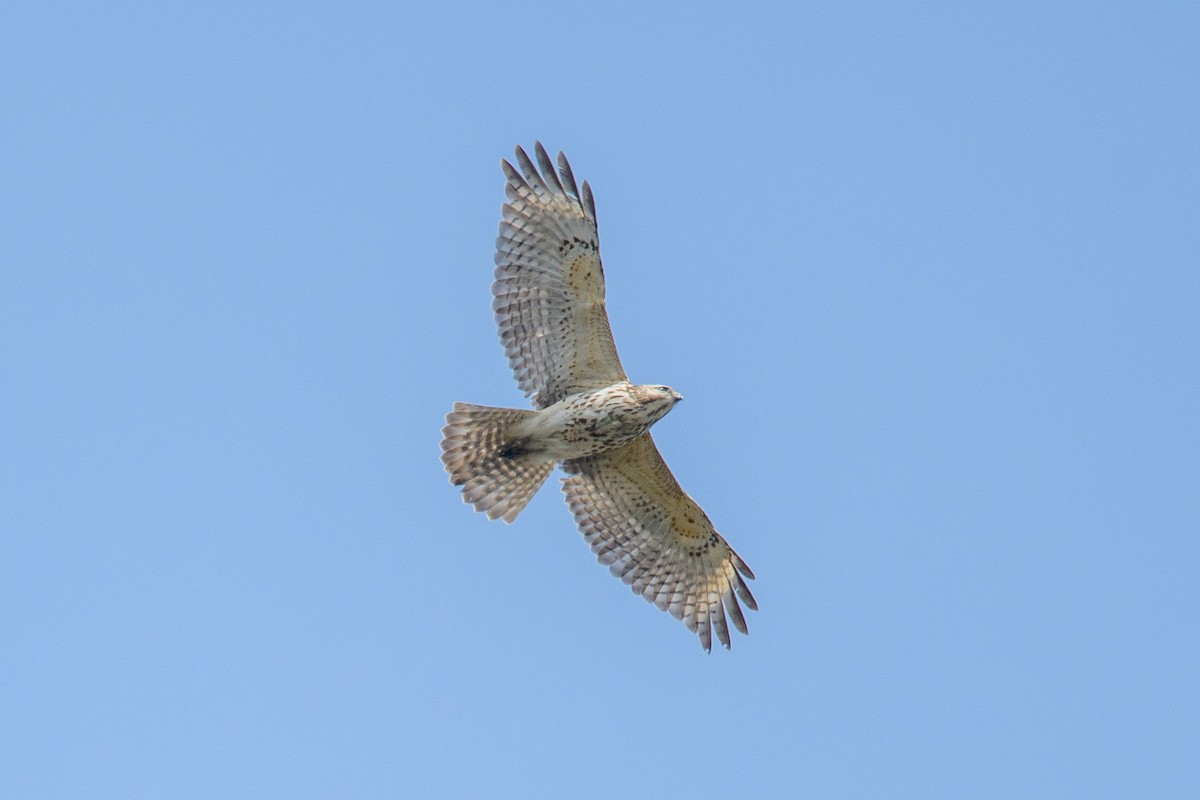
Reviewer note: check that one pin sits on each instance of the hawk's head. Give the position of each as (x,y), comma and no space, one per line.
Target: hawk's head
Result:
(658,400)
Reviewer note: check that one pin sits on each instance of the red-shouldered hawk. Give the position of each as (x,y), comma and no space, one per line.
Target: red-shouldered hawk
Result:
(549,305)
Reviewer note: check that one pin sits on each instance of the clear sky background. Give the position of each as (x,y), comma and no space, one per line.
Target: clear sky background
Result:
(928,276)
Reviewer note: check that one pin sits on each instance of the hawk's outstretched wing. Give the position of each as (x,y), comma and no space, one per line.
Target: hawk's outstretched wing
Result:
(653,536)
(549,289)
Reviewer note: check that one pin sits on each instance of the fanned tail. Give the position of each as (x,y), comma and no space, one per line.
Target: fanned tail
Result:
(484,457)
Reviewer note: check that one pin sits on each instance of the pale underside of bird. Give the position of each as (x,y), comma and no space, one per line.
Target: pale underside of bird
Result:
(548,299)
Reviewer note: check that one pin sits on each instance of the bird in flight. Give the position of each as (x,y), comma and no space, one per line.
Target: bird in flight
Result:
(548,299)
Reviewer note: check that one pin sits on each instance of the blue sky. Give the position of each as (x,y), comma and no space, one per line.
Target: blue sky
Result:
(929,277)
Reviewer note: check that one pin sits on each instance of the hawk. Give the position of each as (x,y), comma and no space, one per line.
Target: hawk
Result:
(548,299)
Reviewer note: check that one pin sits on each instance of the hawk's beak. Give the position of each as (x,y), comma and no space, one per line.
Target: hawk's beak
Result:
(678,396)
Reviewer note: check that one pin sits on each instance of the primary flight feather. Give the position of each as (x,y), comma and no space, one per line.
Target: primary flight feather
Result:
(549,304)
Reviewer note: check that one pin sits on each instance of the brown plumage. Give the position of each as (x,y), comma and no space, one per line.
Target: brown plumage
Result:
(550,310)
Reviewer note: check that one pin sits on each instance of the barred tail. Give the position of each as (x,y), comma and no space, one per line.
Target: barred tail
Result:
(482,456)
